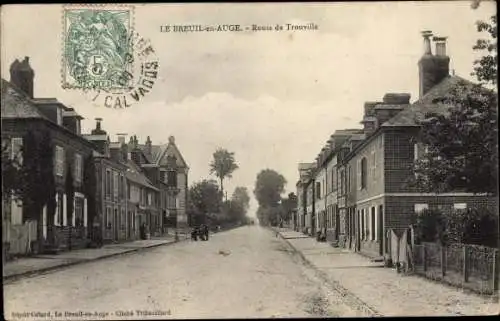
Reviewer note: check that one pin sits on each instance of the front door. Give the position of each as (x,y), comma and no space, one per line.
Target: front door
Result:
(381,229)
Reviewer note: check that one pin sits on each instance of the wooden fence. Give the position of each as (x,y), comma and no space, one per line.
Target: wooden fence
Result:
(469,266)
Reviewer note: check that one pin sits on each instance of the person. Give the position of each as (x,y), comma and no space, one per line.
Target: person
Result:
(205,230)
(194,234)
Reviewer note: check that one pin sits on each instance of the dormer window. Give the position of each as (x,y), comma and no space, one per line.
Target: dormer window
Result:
(59,116)
(77,127)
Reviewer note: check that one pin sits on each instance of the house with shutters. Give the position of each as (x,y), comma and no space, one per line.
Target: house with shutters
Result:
(23,113)
(112,218)
(379,197)
(371,167)
(173,171)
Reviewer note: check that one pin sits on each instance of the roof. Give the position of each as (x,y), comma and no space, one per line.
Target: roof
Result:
(415,113)
(134,174)
(16,104)
(158,152)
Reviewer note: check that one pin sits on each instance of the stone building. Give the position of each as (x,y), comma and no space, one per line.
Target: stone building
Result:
(23,113)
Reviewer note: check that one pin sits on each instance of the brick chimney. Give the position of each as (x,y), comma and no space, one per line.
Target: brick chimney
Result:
(432,68)
(392,104)
(102,144)
(369,120)
(22,76)
(148,146)
(123,146)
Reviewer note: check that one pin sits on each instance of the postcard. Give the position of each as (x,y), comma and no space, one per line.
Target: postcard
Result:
(249,160)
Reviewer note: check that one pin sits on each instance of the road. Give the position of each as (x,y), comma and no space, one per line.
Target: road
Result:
(242,273)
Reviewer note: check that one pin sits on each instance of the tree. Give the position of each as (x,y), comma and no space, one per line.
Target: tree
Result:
(204,198)
(289,205)
(462,145)
(240,195)
(485,68)
(11,168)
(47,183)
(268,187)
(38,187)
(223,165)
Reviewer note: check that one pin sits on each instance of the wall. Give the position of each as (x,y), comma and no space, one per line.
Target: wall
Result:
(399,159)
(181,198)
(400,210)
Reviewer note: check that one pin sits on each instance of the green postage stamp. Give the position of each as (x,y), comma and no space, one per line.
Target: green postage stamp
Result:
(97,53)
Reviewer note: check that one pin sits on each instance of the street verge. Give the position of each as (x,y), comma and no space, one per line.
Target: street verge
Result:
(50,269)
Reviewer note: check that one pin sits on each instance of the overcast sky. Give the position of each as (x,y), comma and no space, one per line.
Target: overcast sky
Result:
(273,98)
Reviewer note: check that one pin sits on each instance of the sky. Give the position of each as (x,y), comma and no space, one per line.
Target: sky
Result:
(273,98)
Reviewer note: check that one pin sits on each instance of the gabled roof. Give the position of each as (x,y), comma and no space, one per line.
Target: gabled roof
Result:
(413,114)
(159,151)
(16,104)
(135,174)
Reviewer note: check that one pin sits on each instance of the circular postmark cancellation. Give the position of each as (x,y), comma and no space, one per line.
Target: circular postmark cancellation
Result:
(105,58)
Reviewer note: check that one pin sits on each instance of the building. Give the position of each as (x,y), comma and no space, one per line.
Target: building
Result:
(372,167)
(304,174)
(47,117)
(382,163)
(112,215)
(174,172)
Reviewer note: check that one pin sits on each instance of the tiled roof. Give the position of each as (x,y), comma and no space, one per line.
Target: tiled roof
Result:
(135,175)
(16,104)
(413,114)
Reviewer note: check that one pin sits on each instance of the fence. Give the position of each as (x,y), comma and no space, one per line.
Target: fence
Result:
(18,238)
(468,266)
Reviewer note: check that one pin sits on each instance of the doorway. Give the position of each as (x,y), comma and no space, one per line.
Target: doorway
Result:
(116,224)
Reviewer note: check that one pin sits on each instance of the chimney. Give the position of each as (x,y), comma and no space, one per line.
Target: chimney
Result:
(22,76)
(121,138)
(392,104)
(440,45)
(369,120)
(98,130)
(148,146)
(432,68)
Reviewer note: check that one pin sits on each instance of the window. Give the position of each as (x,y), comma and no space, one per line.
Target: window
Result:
(17,145)
(150,198)
(59,116)
(60,209)
(78,168)
(123,219)
(59,159)
(78,211)
(107,219)
(362,216)
(420,207)
(318,190)
(172,178)
(115,185)
(78,127)
(374,226)
(108,183)
(460,206)
(364,166)
(334,184)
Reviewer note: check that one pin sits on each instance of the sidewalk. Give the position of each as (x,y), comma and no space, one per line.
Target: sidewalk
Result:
(41,263)
(381,290)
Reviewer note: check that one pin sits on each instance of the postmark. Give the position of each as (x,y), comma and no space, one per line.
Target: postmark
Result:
(105,57)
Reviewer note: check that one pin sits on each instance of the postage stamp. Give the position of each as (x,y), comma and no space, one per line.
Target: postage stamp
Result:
(104,56)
